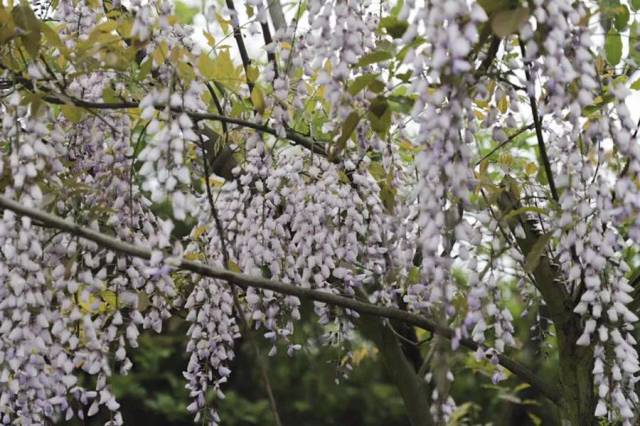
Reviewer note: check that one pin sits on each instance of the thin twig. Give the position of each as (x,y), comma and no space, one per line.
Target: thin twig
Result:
(505,142)
(537,121)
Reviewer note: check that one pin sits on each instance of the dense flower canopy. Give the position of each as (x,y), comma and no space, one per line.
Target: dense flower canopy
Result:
(427,157)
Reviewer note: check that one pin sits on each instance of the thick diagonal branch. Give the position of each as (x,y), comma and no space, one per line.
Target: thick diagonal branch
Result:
(576,362)
(242,280)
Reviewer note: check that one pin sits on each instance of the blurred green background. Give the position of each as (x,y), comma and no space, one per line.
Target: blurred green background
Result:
(310,387)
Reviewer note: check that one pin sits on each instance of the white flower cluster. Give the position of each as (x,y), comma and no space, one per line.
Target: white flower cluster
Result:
(352,225)
(70,307)
(211,335)
(164,166)
(445,118)
(270,210)
(589,249)
(340,33)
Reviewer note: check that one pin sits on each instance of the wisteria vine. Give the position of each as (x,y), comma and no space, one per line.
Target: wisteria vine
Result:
(419,158)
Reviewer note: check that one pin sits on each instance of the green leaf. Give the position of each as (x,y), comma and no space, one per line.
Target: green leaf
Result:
(377,171)
(394,27)
(110,95)
(613,47)
(360,82)
(35,102)
(376,86)
(379,115)
(537,421)
(388,197)
(53,38)
(415,43)
(635,4)
(395,10)
(184,12)
(29,26)
(7,27)
(373,57)
(634,42)
(621,17)
(508,22)
(348,126)
(537,251)
(402,104)
(405,76)
(493,6)
(145,68)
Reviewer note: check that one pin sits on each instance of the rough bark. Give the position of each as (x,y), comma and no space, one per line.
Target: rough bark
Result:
(577,403)
(411,387)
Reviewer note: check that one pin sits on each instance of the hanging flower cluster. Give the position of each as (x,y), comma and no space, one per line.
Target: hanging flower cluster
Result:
(411,181)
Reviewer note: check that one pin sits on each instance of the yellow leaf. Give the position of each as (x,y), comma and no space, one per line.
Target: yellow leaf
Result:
(506,159)
(206,66)
(199,231)
(87,305)
(124,27)
(484,166)
(72,113)
(253,73)
(109,298)
(531,169)
(106,27)
(503,104)
(193,256)
(233,266)
(224,24)
(185,71)
(221,68)
(481,103)
(161,53)
(257,98)
(210,38)
(53,38)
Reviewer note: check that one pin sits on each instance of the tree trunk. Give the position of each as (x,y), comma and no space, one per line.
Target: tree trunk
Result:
(412,388)
(576,376)
(577,405)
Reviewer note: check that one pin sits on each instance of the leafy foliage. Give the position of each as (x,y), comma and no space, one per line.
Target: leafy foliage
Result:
(422,176)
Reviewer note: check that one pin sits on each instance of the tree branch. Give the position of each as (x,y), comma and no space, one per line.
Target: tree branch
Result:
(292,135)
(312,145)
(277,15)
(537,121)
(506,142)
(412,386)
(549,390)
(237,35)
